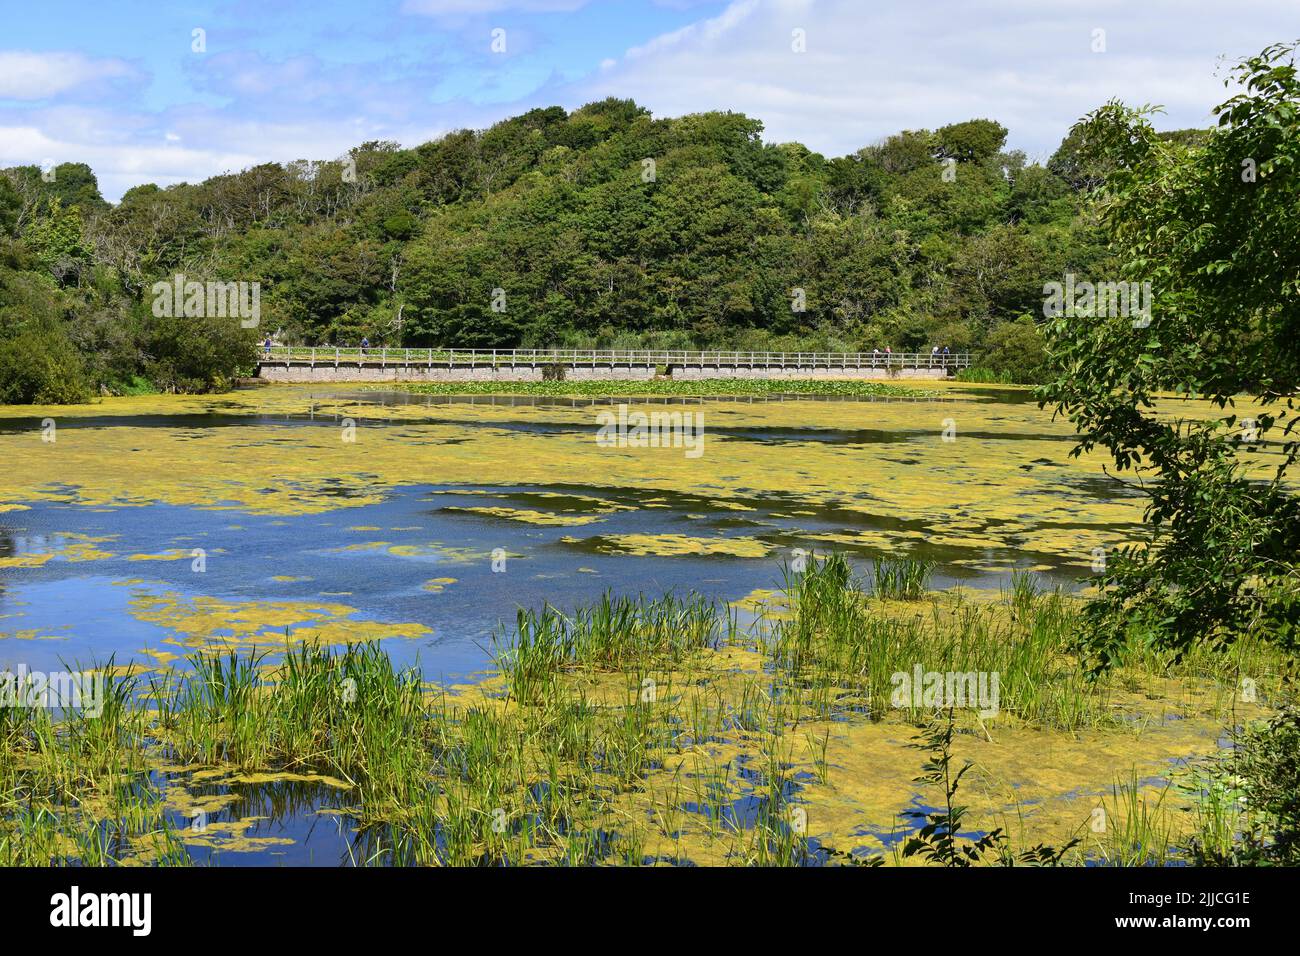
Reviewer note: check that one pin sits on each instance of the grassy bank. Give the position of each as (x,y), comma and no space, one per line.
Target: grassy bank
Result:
(663,387)
(645,730)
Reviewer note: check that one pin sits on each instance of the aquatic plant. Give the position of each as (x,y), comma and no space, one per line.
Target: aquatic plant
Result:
(939,839)
(905,579)
(710,388)
(1134,829)
(1248,800)
(635,730)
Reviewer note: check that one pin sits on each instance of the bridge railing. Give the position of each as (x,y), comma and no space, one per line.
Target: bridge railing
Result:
(463,358)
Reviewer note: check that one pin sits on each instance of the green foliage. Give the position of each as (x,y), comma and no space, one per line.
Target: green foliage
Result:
(40,368)
(904,579)
(56,239)
(188,354)
(970,142)
(1016,352)
(599,224)
(1250,798)
(1211,222)
(10,205)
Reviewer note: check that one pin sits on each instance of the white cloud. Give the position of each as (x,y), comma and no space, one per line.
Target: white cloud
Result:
(869,70)
(460,8)
(873,69)
(27,75)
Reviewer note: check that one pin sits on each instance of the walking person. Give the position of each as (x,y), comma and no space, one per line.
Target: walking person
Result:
(365,344)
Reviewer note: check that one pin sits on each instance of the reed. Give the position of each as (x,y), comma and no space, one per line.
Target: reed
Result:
(612,734)
(904,579)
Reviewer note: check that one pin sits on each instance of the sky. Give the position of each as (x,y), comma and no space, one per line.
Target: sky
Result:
(169,91)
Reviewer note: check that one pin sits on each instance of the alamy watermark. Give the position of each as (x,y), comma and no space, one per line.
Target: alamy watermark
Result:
(62,690)
(212,300)
(1130,300)
(133,911)
(936,690)
(637,429)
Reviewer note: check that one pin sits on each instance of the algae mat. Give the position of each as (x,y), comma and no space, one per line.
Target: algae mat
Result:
(961,474)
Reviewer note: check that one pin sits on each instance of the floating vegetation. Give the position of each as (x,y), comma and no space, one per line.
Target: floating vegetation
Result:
(202,621)
(667,387)
(642,730)
(669,545)
(877,470)
(526,516)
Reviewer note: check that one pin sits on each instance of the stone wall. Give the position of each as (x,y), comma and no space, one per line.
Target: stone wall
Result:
(697,373)
(351,372)
(394,372)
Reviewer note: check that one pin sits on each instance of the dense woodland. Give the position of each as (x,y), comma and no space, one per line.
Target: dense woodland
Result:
(601,227)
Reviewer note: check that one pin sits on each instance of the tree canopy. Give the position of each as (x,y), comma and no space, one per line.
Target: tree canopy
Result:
(593,227)
(1211,221)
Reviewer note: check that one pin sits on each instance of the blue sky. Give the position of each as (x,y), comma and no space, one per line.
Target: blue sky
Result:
(119,85)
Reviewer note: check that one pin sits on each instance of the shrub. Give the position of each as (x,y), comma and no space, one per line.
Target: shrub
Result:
(41,368)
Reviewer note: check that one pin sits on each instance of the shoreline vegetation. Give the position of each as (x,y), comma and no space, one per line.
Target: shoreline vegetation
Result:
(663,388)
(658,730)
(734,243)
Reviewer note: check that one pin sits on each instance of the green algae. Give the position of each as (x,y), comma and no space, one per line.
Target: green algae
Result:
(1005,483)
(203,621)
(526,516)
(671,545)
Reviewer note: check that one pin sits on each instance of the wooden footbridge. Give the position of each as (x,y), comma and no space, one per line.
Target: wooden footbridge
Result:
(327,363)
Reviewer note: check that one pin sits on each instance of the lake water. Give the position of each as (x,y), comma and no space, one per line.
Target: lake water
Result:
(148,527)
(143,529)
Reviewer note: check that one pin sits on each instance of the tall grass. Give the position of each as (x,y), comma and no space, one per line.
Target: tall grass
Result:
(904,579)
(610,734)
(613,634)
(842,652)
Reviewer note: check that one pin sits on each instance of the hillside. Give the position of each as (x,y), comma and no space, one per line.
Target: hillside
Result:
(599,227)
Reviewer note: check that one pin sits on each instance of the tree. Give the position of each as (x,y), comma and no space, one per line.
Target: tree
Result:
(603,224)
(1213,225)
(40,367)
(10,205)
(973,141)
(57,240)
(1016,350)
(194,354)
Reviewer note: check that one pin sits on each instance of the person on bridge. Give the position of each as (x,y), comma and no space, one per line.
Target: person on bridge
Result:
(266,347)
(365,343)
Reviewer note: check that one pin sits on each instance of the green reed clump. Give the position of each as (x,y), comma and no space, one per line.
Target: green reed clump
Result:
(842,653)
(904,579)
(613,634)
(1247,799)
(349,714)
(1131,826)
(75,788)
(1026,586)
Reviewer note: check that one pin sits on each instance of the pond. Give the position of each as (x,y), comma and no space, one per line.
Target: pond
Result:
(140,530)
(151,526)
